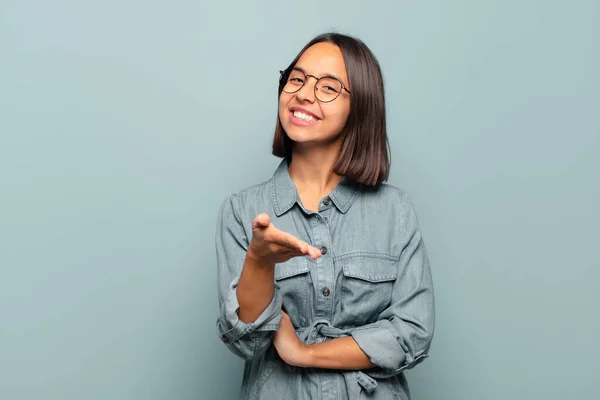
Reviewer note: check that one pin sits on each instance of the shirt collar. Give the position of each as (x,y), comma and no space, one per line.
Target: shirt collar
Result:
(285,194)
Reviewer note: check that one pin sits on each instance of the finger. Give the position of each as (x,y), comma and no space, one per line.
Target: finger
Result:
(286,321)
(301,248)
(289,240)
(306,249)
(291,253)
(261,221)
(314,253)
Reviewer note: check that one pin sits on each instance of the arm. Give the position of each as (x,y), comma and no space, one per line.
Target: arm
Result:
(255,288)
(340,353)
(248,298)
(250,333)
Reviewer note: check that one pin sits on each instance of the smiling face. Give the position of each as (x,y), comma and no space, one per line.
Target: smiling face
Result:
(306,120)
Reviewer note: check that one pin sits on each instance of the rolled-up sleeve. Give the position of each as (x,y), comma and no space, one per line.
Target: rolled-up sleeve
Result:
(402,335)
(247,340)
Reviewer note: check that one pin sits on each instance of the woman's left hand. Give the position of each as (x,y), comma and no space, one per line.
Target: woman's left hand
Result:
(290,348)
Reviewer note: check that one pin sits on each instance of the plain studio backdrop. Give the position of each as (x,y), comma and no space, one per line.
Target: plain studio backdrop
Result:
(124,124)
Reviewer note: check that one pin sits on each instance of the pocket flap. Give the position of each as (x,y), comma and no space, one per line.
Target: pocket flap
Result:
(293,267)
(371,269)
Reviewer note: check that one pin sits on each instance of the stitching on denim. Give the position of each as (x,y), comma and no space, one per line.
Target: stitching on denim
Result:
(352,199)
(393,187)
(255,340)
(367,254)
(346,206)
(267,327)
(253,187)
(293,271)
(279,210)
(239,332)
(262,380)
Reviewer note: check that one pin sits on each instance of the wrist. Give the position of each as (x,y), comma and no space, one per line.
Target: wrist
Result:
(256,260)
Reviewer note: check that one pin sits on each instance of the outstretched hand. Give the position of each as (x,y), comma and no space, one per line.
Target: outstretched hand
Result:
(270,245)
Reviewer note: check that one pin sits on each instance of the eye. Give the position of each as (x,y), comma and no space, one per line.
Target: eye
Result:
(329,86)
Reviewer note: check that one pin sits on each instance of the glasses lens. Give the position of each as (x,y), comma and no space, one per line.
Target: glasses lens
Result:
(295,82)
(328,89)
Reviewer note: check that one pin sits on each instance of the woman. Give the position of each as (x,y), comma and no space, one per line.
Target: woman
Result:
(324,282)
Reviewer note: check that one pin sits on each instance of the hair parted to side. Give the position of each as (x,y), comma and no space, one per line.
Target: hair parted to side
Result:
(364,156)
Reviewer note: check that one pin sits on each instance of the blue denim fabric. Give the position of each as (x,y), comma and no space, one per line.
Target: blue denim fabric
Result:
(373,283)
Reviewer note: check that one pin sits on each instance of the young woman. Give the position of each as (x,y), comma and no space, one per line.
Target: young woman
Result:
(324,282)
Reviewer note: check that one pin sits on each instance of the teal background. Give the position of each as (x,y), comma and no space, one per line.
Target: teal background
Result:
(124,124)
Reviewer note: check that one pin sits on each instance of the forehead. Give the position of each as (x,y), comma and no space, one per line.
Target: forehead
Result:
(322,59)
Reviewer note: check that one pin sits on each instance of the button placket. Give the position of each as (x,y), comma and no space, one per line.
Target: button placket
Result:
(324,268)
(323,216)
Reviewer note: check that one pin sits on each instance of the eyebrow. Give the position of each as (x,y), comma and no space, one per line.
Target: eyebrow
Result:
(325,75)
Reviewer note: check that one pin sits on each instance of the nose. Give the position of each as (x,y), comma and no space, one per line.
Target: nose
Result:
(307,92)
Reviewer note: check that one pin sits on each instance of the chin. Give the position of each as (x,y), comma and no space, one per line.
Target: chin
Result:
(299,134)
(301,138)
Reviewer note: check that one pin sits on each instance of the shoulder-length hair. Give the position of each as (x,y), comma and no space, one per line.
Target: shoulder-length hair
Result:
(364,155)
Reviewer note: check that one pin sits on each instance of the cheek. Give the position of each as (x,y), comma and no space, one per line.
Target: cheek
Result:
(338,117)
(283,112)
(283,103)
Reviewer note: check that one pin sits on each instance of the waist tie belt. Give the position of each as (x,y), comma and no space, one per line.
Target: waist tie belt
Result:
(320,330)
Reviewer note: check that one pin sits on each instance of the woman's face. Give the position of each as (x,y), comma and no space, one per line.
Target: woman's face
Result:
(305,119)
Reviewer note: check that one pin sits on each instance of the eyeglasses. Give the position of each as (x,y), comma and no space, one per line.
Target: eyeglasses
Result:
(327,88)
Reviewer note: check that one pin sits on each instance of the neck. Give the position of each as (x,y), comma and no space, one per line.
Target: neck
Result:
(312,172)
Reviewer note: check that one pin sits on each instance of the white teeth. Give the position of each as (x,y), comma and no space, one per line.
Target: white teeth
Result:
(306,117)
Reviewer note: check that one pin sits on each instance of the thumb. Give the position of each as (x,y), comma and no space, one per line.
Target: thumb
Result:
(261,221)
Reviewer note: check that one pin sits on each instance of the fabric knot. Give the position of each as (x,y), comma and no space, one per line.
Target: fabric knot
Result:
(310,334)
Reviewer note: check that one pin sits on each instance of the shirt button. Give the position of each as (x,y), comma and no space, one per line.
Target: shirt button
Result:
(326,291)
(323,250)
(225,339)
(326,219)
(326,201)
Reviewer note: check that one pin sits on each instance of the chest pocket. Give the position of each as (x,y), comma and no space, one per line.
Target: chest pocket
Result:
(366,287)
(294,282)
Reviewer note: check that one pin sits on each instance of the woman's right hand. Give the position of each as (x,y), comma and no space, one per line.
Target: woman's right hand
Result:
(270,245)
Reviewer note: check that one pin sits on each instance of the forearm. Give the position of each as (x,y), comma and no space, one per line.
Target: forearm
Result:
(340,353)
(255,289)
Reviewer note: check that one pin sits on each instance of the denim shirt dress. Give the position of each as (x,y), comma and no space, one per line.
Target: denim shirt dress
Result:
(373,282)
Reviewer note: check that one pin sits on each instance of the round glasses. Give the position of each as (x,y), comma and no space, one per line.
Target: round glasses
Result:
(327,88)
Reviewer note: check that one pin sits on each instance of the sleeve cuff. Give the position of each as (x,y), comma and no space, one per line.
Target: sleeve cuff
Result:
(231,328)
(381,346)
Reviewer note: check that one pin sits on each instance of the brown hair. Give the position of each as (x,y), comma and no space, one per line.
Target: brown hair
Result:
(364,156)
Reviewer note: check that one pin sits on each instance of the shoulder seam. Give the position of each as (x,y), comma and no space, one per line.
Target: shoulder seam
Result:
(250,188)
(405,204)
(402,192)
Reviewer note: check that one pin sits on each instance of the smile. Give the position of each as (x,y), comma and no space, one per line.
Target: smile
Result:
(305,117)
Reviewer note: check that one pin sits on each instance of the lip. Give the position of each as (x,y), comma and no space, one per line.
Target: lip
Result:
(301,122)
